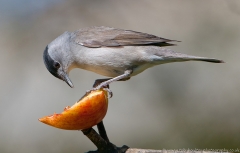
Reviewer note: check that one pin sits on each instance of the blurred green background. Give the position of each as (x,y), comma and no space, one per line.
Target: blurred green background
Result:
(172,106)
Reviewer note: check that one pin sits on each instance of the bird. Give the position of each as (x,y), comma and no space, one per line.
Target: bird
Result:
(116,53)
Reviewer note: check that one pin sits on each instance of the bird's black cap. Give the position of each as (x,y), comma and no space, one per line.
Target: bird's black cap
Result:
(53,67)
(49,63)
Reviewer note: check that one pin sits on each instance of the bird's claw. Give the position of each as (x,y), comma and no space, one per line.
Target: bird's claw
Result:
(110,94)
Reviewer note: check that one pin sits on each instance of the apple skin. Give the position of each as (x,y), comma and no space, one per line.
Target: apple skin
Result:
(84,114)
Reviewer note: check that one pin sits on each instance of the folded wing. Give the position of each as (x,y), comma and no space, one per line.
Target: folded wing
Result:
(95,37)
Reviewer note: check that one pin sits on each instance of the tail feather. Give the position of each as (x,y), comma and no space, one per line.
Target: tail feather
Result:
(212,60)
(165,55)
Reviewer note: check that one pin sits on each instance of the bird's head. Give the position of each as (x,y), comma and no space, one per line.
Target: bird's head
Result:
(56,59)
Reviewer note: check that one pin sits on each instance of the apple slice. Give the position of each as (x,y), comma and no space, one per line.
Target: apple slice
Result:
(85,113)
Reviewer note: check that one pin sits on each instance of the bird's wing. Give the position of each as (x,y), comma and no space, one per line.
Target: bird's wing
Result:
(110,37)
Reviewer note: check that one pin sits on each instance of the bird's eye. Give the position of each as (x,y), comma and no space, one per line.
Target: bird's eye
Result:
(56,65)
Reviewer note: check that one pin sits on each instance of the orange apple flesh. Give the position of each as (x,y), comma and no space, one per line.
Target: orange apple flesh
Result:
(87,112)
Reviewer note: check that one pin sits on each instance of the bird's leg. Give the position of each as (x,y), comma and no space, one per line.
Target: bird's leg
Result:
(124,76)
(99,81)
(104,83)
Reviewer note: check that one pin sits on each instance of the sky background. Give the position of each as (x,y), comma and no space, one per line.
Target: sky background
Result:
(172,106)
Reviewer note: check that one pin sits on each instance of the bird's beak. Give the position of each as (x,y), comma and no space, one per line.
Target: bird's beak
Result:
(67,80)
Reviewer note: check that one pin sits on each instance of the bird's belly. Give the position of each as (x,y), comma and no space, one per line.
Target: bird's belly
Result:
(112,71)
(107,71)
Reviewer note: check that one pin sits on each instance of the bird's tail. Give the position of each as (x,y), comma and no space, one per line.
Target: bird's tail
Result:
(166,55)
(212,60)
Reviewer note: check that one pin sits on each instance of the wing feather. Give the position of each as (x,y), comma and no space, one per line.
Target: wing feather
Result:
(110,37)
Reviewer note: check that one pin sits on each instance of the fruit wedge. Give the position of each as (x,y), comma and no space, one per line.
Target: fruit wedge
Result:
(85,113)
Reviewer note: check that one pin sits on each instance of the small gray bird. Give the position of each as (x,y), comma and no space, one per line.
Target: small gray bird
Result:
(116,53)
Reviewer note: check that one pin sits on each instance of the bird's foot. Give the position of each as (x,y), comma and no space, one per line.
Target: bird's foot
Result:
(110,94)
